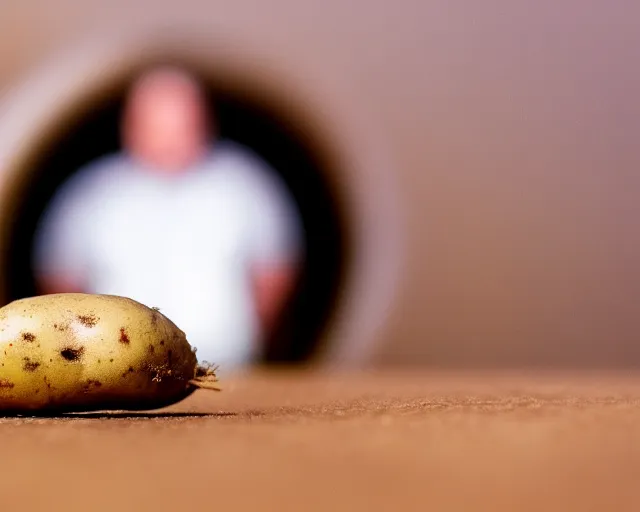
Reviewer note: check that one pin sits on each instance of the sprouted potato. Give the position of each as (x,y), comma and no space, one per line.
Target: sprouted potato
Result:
(76,352)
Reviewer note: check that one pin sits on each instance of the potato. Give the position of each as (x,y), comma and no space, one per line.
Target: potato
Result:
(75,352)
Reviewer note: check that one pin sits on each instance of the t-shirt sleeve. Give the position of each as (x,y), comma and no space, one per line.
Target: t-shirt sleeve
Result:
(275,232)
(62,238)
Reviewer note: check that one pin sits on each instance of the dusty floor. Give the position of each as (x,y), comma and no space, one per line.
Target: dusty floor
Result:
(286,442)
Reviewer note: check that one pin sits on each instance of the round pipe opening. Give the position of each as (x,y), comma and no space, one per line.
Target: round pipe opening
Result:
(333,312)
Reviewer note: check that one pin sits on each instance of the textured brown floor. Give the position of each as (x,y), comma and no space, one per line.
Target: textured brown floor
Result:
(337,442)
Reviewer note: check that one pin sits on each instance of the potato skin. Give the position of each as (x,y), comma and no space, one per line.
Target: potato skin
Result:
(82,352)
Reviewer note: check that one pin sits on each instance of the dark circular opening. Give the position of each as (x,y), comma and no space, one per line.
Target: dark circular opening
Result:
(92,130)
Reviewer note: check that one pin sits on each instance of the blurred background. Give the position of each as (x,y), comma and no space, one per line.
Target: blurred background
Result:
(463,176)
(92,133)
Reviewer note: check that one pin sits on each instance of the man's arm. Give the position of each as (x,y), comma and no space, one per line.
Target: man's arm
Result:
(276,244)
(60,248)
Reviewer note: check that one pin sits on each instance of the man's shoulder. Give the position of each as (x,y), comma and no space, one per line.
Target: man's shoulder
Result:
(237,160)
(112,166)
(239,167)
(99,171)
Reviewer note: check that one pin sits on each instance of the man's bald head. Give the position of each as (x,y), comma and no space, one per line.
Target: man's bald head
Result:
(165,122)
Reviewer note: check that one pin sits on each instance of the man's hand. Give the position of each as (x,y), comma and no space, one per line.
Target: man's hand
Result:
(272,287)
(60,284)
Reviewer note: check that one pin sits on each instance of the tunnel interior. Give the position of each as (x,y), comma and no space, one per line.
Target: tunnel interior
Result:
(92,131)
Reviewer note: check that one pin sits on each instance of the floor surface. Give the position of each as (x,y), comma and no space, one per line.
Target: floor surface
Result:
(370,442)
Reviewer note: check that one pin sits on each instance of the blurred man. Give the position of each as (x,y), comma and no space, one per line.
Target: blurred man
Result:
(204,231)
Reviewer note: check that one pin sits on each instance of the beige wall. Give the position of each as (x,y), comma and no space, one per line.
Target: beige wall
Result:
(513,128)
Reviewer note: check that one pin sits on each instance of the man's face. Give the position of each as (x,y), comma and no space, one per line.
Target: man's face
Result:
(165,125)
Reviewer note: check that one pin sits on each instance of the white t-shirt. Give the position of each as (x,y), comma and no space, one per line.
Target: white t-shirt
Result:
(184,244)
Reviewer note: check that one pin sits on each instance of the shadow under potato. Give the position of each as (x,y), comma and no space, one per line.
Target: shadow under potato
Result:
(106,415)
(102,405)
